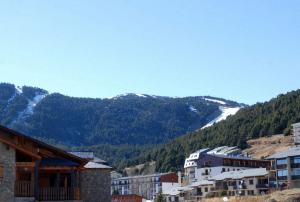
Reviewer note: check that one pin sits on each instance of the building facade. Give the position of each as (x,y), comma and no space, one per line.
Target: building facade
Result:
(204,164)
(32,170)
(285,169)
(233,183)
(296,133)
(147,186)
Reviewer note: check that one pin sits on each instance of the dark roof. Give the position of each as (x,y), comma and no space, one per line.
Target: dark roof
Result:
(58,162)
(41,144)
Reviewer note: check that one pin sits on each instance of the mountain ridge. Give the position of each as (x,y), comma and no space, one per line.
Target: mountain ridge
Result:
(126,118)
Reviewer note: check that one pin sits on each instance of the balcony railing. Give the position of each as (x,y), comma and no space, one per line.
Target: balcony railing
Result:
(295,177)
(262,186)
(281,166)
(295,165)
(59,193)
(24,189)
(240,187)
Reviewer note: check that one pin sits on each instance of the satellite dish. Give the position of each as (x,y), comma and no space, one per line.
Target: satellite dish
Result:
(225,198)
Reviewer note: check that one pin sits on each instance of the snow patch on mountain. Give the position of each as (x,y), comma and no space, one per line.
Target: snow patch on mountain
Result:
(226,111)
(30,106)
(215,100)
(129,94)
(193,109)
(19,89)
(140,95)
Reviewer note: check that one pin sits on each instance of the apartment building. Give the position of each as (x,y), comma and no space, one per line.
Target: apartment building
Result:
(147,186)
(241,183)
(285,169)
(233,183)
(206,163)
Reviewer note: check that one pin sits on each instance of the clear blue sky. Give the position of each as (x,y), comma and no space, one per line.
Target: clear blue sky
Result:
(247,51)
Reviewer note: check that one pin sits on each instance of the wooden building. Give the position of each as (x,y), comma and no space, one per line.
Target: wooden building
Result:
(32,169)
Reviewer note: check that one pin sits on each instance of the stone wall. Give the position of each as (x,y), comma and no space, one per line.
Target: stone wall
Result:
(7,183)
(95,185)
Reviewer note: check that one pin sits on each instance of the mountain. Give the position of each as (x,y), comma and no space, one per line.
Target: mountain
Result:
(259,120)
(129,119)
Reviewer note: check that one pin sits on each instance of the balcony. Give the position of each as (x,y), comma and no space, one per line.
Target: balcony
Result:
(295,177)
(243,186)
(282,177)
(262,186)
(281,166)
(59,193)
(26,189)
(295,165)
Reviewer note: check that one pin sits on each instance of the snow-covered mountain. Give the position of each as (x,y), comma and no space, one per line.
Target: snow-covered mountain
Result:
(124,119)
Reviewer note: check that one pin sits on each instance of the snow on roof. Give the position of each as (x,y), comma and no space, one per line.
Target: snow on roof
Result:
(185,188)
(292,151)
(296,124)
(142,176)
(201,182)
(83,154)
(241,174)
(93,165)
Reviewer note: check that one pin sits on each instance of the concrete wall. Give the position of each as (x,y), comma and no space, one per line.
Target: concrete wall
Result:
(95,185)
(7,184)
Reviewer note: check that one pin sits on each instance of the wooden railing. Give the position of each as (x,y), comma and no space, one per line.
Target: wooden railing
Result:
(24,189)
(59,193)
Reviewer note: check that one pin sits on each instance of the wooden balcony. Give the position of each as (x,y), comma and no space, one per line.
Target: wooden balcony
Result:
(26,189)
(59,194)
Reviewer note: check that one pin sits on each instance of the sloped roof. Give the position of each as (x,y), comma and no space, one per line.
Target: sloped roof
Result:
(292,151)
(201,182)
(41,145)
(241,174)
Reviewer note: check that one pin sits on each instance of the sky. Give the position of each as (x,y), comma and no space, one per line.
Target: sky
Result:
(247,51)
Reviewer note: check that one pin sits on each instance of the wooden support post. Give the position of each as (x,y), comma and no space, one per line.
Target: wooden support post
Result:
(36,179)
(57,180)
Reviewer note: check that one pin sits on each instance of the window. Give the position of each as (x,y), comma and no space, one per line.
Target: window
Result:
(282,173)
(1,172)
(281,161)
(206,189)
(297,159)
(251,182)
(296,172)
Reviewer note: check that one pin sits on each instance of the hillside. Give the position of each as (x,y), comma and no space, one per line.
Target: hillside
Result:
(259,120)
(125,119)
(266,146)
(118,128)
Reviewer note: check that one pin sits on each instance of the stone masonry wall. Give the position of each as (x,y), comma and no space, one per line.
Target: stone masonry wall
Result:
(7,183)
(95,185)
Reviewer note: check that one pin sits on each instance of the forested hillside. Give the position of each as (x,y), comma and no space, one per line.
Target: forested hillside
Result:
(261,119)
(125,119)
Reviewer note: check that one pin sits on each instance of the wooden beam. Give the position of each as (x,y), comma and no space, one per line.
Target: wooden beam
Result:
(25,164)
(17,147)
(55,168)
